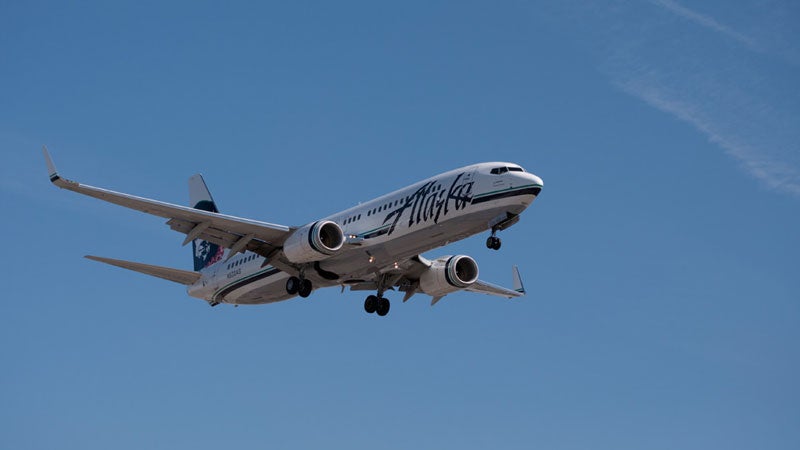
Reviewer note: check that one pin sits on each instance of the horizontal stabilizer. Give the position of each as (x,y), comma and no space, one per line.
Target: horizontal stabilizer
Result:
(175,275)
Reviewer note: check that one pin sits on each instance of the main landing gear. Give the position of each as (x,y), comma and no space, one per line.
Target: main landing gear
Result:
(299,286)
(377,304)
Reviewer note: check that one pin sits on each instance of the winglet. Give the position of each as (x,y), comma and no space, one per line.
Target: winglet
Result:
(55,178)
(518,286)
(51,168)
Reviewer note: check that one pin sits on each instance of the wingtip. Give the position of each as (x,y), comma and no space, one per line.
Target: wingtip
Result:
(51,167)
(518,286)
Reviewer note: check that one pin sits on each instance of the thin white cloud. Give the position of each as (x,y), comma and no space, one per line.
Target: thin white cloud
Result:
(706,22)
(742,102)
(772,171)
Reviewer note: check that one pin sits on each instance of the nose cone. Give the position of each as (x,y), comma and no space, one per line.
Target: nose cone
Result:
(530,181)
(536,184)
(525,187)
(535,180)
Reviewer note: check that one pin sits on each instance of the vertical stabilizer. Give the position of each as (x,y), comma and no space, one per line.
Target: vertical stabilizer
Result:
(205,253)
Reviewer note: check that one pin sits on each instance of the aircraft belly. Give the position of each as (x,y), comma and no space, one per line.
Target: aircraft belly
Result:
(271,288)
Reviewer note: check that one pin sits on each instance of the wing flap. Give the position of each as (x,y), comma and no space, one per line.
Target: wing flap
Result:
(166,273)
(492,289)
(224,238)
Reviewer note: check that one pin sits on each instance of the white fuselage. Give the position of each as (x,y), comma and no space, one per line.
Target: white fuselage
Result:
(392,228)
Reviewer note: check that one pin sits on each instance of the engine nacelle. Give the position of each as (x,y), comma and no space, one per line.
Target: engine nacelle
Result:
(314,242)
(448,274)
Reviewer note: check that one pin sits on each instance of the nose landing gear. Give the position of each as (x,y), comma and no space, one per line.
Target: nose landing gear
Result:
(499,224)
(493,242)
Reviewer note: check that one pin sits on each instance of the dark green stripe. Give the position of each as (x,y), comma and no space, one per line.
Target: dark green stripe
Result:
(269,271)
(508,190)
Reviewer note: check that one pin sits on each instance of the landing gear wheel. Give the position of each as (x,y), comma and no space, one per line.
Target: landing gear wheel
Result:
(383,306)
(493,242)
(292,285)
(305,288)
(370,304)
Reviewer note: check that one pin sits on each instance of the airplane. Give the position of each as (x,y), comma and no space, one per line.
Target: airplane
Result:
(375,246)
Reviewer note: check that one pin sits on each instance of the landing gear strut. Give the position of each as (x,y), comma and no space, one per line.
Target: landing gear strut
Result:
(376,304)
(499,224)
(299,286)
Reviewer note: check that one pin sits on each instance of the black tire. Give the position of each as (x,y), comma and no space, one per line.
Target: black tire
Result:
(292,285)
(497,243)
(383,306)
(305,288)
(370,304)
(490,242)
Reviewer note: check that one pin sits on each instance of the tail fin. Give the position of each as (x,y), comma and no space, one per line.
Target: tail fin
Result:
(205,253)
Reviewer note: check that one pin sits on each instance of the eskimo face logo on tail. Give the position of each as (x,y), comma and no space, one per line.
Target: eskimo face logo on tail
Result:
(432,201)
(206,253)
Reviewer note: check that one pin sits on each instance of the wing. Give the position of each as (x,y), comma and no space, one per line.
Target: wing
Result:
(231,232)
(491,289)
(405,277)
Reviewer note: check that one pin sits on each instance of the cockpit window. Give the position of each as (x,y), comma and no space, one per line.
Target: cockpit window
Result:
(502,170)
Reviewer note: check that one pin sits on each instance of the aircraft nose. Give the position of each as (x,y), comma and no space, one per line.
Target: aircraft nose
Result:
(537,184)
(532,181)
(528,182)
(536,180)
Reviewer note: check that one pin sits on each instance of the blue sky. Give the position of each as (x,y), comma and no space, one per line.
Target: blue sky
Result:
(661,258)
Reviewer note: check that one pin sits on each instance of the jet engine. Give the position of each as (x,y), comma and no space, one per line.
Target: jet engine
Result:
(314,242)
(448,274)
